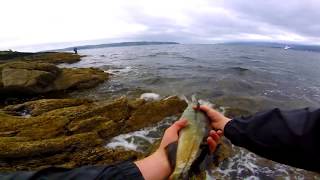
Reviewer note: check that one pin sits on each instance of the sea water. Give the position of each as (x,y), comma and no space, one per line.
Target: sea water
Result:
(236,76)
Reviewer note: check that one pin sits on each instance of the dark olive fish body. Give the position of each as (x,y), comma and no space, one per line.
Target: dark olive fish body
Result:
(190,139)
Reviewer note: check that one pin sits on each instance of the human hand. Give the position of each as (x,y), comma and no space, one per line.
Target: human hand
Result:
(218,120)
(157,166)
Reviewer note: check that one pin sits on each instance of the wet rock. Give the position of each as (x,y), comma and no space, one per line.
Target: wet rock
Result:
(154,111)
(20,149)
(72,132)
(7,55)
(36,78)
(80,78)
(223,151)
(47,57)
(236,112)
(39,107)
(242,104)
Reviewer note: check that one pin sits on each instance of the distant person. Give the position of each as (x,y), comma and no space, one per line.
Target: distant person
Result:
(75,50)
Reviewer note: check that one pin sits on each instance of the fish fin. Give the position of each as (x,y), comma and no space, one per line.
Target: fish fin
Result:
(171,150)
(194,99)
(196,165)
(185,99)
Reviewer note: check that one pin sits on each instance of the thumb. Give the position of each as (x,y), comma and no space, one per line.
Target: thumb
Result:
(179,124)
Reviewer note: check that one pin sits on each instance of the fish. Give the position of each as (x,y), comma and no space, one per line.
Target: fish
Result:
(191,139)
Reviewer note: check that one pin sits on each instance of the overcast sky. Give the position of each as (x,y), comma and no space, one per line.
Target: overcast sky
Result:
(44,24)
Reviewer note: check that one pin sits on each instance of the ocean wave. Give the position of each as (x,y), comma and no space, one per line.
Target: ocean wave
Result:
(239,69)
(244,57)
(142,139)
(150,96)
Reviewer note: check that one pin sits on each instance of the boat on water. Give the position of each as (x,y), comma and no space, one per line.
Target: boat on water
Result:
(286,47)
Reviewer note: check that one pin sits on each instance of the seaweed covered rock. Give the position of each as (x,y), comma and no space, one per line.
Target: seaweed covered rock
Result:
(73,132)
(35,108)
(154,111)
(80,78)
(35,78)
(44,57)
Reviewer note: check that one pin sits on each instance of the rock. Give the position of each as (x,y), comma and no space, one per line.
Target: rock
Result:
(47,57)
(36,78)
(154,111)
(73,132)
(6,55)
(32,66)
(80,78)
(55,57)
(39,107)
(23,80)
(243,104)
(21,149)
(236,112)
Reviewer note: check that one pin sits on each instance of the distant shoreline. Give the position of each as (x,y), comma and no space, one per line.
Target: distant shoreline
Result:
(139,43)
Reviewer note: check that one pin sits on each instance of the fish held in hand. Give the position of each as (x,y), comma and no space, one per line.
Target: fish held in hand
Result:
(190,140)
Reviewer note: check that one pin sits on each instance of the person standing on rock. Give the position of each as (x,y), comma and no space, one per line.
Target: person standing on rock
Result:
(75,50)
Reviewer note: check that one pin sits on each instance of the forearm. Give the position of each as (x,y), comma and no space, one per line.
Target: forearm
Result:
(290,137)
(155,166)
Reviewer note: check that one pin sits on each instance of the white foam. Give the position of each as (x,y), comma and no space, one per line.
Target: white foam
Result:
(150,96)
(126,141)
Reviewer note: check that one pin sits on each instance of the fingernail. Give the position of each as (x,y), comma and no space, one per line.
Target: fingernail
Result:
(184,120)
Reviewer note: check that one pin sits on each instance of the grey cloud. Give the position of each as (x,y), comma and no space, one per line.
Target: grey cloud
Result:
(266,18)
(236,20)
(299,16)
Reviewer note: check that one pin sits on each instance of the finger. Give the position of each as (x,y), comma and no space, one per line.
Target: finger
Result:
(211,113)
(214,135)
(220,133)
(212,144)
(180,124)
(205,108)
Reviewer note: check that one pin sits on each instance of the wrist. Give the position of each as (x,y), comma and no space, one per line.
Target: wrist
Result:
(223,124)
(155,166)
(161,156)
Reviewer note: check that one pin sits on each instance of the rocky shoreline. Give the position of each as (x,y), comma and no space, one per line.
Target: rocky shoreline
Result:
(66,132)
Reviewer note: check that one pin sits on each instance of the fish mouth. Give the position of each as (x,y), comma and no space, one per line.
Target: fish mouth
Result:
(195,101)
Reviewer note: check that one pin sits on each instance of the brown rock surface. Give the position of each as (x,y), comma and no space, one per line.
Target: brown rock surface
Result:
(71,133)
(47,57)
(37,78)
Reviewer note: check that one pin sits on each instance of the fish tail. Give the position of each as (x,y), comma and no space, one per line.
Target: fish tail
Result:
(176,176)
(185,99)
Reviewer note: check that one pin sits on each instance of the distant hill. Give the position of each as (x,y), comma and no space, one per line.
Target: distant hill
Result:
(140,43)
(301,47)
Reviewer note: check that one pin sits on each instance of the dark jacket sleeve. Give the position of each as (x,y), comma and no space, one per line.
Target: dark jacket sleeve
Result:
(288,137)
(125,170)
